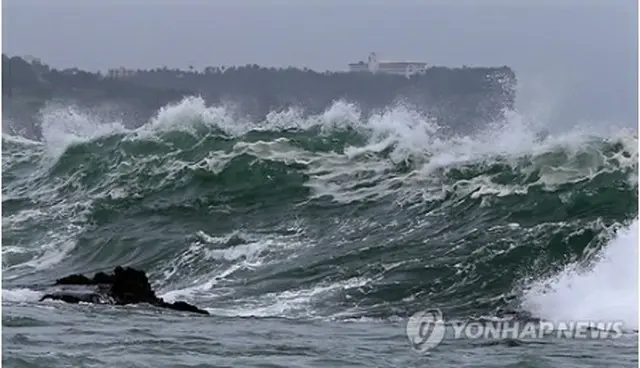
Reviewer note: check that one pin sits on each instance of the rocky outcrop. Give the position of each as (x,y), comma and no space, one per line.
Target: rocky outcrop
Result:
(124,286)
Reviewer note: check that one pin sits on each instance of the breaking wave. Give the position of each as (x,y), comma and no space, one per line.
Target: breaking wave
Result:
(331,216)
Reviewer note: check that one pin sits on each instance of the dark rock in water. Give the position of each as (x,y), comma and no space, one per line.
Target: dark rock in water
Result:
(124,286)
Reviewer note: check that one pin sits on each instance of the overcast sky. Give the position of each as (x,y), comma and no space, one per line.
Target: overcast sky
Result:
(576,57)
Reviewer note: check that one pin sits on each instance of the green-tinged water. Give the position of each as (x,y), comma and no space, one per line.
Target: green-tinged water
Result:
(312,240)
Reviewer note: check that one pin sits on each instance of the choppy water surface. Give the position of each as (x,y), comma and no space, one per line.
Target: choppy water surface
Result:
(312,239)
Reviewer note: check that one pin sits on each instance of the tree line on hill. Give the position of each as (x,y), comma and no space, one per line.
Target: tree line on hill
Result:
(457,96)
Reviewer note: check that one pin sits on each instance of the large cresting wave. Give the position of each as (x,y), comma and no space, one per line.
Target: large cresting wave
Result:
(332,216)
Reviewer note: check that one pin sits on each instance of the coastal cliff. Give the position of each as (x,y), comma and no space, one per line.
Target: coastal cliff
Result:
(460,98)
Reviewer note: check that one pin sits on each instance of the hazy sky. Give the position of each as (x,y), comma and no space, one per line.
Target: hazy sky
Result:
(576,57)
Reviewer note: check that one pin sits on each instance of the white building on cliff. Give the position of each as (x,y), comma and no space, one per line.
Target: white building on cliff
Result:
(120,73)
(373,65)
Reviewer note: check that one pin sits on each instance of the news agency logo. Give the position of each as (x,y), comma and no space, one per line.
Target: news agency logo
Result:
(427,329)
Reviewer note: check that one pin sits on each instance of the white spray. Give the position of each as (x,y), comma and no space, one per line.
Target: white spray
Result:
(607,292)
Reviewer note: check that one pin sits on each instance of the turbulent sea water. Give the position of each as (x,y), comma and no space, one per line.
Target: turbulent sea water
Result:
(312,240)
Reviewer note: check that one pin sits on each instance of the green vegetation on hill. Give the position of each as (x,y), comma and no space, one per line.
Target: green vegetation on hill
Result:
(459,97)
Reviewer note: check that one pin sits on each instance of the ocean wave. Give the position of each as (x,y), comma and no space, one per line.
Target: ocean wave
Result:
(338,215)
